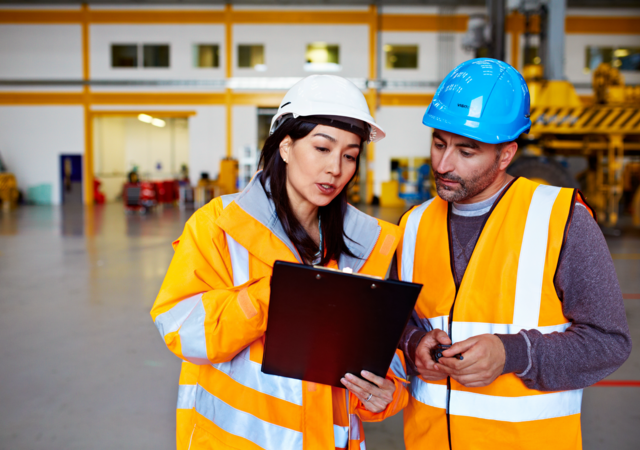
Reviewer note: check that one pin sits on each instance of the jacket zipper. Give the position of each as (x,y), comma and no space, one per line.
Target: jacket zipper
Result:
(450,333)
(452,260)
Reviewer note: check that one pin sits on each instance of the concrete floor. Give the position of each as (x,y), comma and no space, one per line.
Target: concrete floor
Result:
(83,366)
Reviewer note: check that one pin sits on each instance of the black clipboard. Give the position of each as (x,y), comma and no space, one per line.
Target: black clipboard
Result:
(324,323)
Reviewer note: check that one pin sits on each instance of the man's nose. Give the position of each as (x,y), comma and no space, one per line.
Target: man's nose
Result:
(446,163)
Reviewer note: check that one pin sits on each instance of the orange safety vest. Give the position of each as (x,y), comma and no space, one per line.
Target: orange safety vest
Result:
(212,313)
(508,286)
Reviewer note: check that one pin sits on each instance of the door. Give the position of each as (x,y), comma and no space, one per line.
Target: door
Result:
(71,179)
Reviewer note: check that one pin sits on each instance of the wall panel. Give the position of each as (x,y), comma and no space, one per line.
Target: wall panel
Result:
(33,138)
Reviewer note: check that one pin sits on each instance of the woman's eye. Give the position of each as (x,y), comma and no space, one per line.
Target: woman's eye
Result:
(350,158)
(322,149)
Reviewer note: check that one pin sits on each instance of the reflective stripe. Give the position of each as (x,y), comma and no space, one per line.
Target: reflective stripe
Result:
(239,261)
(170,321)
(397,367)
(440,323)
(192,338)
(526,310)
(409,241)
(363,446)
(264,434)
(188,317)
(186,396)
(491,407)
(239,255)
(516,409)
(340,436)
(354,427)
(428,393)
(248,373)
(464,330)
(227,199)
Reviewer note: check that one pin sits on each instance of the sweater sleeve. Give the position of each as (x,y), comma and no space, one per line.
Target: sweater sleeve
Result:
(598,340)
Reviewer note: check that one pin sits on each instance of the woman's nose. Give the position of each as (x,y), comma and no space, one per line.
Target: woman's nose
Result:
(334,165)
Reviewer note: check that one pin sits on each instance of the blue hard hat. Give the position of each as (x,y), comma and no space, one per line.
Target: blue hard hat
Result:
(483,99)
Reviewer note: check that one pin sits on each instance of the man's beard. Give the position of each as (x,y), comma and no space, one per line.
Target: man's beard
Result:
(467,188)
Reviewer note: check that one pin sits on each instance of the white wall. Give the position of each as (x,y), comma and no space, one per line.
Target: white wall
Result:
(285,47)
(576,54)
(208,141)
(32,138)
(427,56)
(41,52)
(406,137)
(180,39)
(245,128)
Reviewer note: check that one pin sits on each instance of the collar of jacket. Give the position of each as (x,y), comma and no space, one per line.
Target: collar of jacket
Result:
(253,204)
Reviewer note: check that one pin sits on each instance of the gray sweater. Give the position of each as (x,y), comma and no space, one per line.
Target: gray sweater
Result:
(598,340)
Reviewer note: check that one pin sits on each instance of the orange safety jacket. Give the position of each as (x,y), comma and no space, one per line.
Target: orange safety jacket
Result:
(508,286)
(212,312)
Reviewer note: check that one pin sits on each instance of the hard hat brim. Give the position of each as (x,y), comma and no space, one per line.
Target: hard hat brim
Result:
(468,127)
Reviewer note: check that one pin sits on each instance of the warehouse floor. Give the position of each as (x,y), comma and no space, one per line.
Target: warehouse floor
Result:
(83,366)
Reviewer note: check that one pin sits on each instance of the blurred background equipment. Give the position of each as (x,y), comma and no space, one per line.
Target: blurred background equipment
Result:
(9,193)
(600,137)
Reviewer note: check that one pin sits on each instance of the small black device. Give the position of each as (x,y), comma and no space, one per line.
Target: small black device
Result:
(436,352)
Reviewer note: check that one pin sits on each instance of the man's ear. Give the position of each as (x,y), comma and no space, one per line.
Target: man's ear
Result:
(285,148)
(507,153)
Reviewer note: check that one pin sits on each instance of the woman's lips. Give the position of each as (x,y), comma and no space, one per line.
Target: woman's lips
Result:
(326,188)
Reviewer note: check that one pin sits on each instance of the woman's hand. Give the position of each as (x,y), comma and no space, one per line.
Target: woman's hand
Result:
(375,396)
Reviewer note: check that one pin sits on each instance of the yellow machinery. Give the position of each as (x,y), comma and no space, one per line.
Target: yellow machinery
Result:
(8,191)
(604,132)
(228,178)
(8,188)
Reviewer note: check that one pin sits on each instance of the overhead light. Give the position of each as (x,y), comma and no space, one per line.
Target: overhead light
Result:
(158,122)
(621,53)
(260,67)
(145,118)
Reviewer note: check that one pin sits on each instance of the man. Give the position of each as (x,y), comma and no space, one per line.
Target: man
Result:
(517,276)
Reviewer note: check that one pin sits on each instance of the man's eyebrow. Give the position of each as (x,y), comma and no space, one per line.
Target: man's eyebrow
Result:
(468,144)
(437,136)
(331,138)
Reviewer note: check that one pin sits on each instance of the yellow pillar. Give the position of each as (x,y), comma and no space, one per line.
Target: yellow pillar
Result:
(88,125)
(229,73)
(372,97)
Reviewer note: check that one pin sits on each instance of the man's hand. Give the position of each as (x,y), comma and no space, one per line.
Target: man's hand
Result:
(424,362)
(484,358)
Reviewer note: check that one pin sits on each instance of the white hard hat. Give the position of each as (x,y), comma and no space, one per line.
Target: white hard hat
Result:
(327,95)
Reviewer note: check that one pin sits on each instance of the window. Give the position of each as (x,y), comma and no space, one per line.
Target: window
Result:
(206,55)
(127,55)
(155,55)
(623,58)
(531,56)
(124,55)
(322,57)
(251,56)
(401,56)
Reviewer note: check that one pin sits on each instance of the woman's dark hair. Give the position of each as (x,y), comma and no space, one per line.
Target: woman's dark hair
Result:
(331,215)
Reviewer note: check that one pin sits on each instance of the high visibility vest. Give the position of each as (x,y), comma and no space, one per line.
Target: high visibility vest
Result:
(508,286)
(224,399)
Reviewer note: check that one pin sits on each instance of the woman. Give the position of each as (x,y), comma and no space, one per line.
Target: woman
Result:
(212,307)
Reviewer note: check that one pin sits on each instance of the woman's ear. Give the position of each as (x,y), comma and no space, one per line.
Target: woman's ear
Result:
(285,148)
